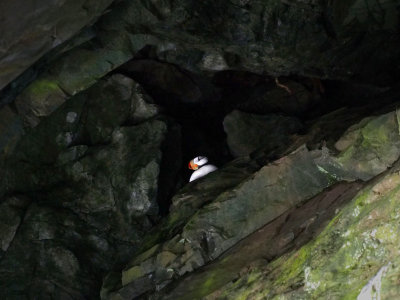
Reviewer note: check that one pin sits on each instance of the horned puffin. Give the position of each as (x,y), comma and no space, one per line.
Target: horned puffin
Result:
(200,167)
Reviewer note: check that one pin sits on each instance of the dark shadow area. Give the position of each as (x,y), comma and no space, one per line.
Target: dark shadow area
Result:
(199,104)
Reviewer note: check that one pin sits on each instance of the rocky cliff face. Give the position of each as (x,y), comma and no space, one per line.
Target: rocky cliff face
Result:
(295,102)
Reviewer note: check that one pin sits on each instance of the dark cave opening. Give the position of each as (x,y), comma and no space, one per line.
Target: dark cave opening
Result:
(199,104)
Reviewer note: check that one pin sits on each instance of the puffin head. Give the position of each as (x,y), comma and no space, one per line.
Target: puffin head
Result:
(197,162)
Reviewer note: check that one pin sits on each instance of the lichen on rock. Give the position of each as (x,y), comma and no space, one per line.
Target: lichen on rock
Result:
(346,257)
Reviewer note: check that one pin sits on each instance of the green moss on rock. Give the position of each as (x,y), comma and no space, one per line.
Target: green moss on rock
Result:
(350,251)
(40,98)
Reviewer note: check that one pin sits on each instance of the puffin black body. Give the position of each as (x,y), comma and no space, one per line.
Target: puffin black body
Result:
(200,167)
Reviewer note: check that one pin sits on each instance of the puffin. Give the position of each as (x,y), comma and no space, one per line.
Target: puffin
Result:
(200,167)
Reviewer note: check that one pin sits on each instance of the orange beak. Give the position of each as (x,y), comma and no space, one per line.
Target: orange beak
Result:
(193,166)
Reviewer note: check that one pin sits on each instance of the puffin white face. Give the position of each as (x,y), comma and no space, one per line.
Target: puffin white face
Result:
(197,162)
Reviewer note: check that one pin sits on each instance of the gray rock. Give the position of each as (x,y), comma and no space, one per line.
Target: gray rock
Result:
(130,163)
(95,185)
(143,110)
(90,221)
(257,37)
(230,217)
(184,205)
(270,98)
(43,257)
(30,29)
(71,154)
(354,254)
(239,210)
(12,212)
(247,133)
(11,129)
(88,118)
(165,78)
(367,148)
